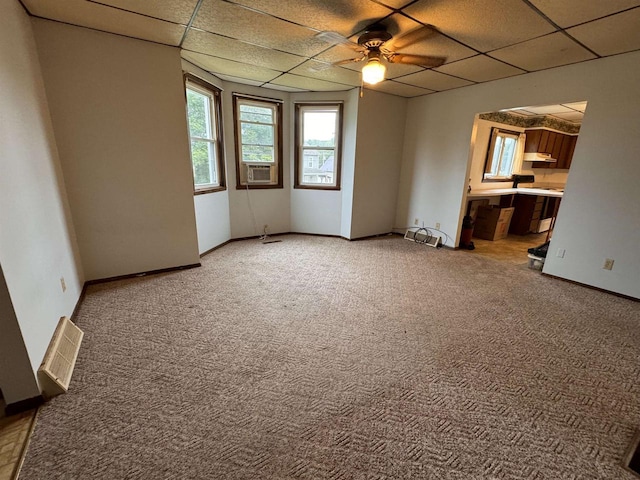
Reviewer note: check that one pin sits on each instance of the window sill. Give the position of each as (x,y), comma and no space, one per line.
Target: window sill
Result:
(317,187)
(202,191)
(257,186)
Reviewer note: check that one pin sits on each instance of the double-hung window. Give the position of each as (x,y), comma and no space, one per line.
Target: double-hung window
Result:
(501,154)
(205,133)
(258,129)
(318,139)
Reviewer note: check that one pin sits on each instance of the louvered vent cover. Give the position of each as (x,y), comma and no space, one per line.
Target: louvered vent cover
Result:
(55,372)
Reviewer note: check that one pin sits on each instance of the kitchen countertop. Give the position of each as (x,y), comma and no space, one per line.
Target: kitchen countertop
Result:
(494,192)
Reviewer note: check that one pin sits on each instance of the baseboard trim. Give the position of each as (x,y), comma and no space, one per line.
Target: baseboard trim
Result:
(621,295)
(215,248)
(23,405)
(142,274)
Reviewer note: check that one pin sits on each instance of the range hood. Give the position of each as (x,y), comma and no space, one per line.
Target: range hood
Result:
(538,157)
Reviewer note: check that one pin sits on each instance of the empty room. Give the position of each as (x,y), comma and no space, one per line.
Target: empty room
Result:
(348,239)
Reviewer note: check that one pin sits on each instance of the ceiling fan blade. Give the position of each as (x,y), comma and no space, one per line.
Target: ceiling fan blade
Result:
(414,36)
(337,39)
(420,60)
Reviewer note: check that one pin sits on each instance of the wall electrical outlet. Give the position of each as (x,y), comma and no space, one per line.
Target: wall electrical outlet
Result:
(416,221)
(437,225)
(560,253)
(63,284)
(608,264)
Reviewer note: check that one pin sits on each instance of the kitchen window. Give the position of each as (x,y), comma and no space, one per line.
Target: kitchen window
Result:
(318,142)
(258,132)
(205,134)
(502,155)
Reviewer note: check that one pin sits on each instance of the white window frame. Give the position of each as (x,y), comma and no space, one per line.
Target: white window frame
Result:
(301,109)
(216,164)
(497,133)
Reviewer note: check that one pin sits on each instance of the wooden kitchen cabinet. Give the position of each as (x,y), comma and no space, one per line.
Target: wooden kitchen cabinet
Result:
(527,213)
(559,145)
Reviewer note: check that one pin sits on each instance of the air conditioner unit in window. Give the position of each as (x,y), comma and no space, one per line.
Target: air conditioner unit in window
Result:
(258,173)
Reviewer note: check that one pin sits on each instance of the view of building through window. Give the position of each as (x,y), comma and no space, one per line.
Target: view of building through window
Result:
(318,144)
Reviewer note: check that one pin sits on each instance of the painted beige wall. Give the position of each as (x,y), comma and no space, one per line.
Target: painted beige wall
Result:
(379,142)
(37,244)
(598,217)
(118,111)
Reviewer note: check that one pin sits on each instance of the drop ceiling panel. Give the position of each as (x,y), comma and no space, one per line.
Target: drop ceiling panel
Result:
(433,80)
(575,117)
(480,69)
(343,17)
(244,81)
(439,46)
(225,47)
(107,19)
(400,89)
(223,66)
(482,25)
(306,83)
(615,34)
(567,13)
(544,52)
(238,22)
(283,88)
(337,74)
(396,3)
(548,109)
(580,106)
(177,11)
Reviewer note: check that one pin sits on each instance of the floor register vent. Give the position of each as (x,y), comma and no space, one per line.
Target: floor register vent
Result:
(422,235)
(55,372)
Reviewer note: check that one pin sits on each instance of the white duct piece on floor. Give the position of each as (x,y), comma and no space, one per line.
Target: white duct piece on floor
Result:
(54,374)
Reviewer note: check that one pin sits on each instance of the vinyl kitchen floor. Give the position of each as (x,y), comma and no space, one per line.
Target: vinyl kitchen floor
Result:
(14,436)
(512,249)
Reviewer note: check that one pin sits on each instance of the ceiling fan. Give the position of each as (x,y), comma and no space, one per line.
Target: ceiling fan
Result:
(373,45)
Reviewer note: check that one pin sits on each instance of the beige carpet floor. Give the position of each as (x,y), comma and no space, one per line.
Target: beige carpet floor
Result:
(318,358)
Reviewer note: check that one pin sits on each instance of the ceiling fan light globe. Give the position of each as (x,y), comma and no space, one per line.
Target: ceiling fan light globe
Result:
(373,72)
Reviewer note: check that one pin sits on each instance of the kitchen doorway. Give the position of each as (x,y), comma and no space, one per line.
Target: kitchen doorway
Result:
(519,163)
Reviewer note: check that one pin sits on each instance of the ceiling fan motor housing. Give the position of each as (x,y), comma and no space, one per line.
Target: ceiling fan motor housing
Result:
(374,39)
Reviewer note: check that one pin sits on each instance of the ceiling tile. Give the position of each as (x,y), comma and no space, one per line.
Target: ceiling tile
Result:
(608,36)
(283,88)
(567,13)
(223,66)
(107,19)
(306,83)
(344,17)
(524,113)
(337,74)
(234,21)
(244,81)
(544,52)
(177,11)
(482,25)
(570,116)
(225,47)
(400,89)
(433,80)
(480,69)
(396,3)
(580,106)
(547,109)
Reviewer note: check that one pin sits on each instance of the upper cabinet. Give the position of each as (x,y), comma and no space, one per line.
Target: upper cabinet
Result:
(559,145)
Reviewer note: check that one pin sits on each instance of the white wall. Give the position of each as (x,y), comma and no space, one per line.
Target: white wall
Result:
(320,211)
(379,141)
(598,216)
(37,244)
(349,164)
(213,221)
(118,110)
(251,209)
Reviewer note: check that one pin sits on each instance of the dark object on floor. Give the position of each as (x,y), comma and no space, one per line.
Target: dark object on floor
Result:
(540,250)
(634,462)
(467,233)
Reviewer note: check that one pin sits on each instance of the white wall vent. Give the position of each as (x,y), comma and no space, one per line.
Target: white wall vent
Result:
(422,235)
(258,173)
(55,372)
